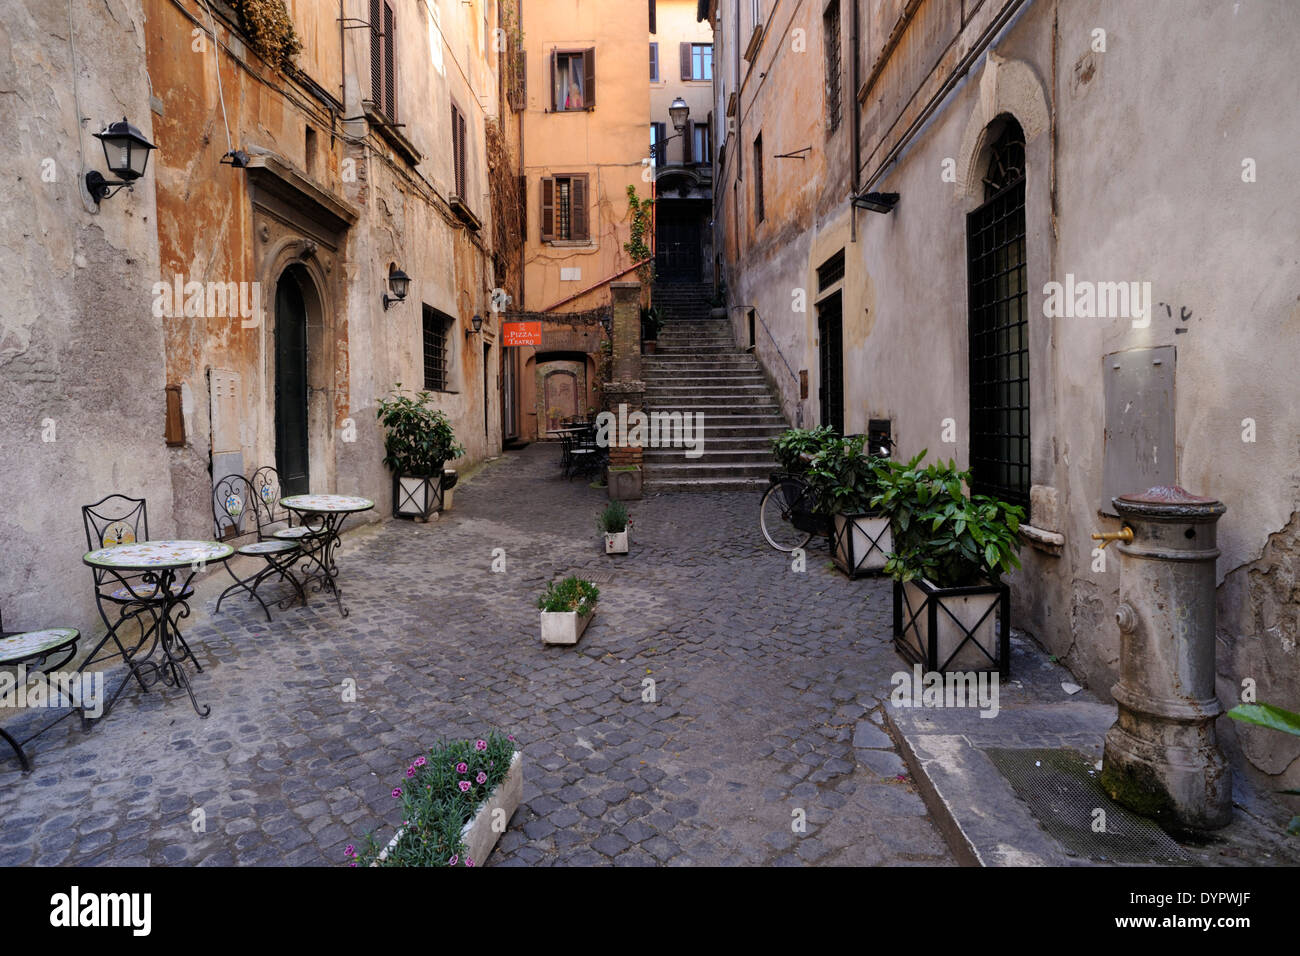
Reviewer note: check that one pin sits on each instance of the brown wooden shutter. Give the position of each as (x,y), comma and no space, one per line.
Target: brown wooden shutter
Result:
(555,79)
(686,61)
(376,55)
(581,228)
(688,143)
(653,28)
(548,209)
(390,65)
(589,77)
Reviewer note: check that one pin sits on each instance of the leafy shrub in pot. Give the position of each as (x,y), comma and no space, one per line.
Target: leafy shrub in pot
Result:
(794,447)
(844,481)
(418,441)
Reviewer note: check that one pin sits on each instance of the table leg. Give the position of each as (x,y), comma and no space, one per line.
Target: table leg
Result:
(322,557)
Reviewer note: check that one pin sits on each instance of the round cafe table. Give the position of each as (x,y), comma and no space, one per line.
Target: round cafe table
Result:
(321,545)
(158,575)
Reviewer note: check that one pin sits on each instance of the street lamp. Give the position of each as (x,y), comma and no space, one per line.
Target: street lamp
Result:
(399,282)
(679,112)
(126,152)
(477,326)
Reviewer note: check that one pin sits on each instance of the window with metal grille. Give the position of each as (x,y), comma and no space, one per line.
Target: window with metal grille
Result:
(999,329)
(564,208)
(831,32)
(435,349)
(383,68)
(831,271)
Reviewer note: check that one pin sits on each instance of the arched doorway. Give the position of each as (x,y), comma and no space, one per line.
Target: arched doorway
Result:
(292,453)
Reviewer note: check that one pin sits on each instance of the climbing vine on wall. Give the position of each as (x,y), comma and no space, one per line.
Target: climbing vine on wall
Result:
(507,210)
(638,245)
(270,30)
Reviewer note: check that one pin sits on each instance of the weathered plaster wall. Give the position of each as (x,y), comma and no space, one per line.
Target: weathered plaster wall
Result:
(676,24)
(81,371)
(1134,173)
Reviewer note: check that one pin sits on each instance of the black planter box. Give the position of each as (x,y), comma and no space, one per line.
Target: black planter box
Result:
(954,629)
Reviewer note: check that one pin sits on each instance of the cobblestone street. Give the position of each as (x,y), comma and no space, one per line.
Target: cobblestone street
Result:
(765,681)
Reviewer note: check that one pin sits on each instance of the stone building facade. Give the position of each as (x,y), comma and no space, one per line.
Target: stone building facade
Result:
(1086,285)
(243,285)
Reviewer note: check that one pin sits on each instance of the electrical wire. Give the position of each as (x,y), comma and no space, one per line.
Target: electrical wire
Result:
(216,65)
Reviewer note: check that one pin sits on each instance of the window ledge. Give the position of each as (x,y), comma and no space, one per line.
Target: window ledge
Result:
(1049,542)
(572,243)
(392,135)
(755,41)
(465,214)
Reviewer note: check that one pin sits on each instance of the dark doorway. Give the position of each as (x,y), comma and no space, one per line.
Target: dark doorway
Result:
(487,404)
(679,229)
(830,358)
(291,387)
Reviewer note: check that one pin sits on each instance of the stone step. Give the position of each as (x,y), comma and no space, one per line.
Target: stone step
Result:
(754,486)
(762,412)
(687,468)
(711,456)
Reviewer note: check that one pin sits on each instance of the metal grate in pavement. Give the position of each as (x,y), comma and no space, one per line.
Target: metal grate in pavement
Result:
(1064,794)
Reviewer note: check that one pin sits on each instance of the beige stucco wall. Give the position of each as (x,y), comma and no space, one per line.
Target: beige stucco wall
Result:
(676,24)
(1134,172)
(608,142)
(81,364)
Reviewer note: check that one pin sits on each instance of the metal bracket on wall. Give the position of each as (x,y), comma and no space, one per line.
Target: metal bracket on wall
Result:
(797,154)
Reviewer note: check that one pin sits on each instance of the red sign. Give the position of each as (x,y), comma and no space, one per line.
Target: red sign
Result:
(521,333)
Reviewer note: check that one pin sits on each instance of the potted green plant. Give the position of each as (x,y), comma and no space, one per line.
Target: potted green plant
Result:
(794,448)
(455,801)
(418,441)
(567,608)
(651,322)
(614,523)
(951,609)
(844,480)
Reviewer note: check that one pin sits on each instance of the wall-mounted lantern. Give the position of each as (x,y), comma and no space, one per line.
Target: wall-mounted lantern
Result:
(876,202)
(477,326)
(126,152)
(398,283)
(606,322)
(679,112)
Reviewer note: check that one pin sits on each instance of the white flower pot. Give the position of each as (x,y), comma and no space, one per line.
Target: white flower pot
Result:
(860,542)
(952,629)
(564,627)
(480,834)
(616,542)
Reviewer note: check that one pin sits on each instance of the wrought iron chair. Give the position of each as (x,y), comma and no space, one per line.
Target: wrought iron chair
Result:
(17,649)
(232,500)
(586,457)
(274,521)
(131,597)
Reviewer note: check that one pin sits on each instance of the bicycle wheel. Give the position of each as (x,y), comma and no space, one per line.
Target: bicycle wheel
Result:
(775,512)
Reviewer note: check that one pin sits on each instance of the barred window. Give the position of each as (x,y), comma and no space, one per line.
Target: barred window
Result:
(435,349)
(831,31)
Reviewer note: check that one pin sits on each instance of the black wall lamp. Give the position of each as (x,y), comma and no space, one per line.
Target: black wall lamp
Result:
(876,202)
(398,282)
(607,322)
(126,153)
(477,326)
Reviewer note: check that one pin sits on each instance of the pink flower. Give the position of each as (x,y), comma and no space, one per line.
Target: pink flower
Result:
(482,777)
(510,737)
(353,863)
(461,768)
(349,850)
(464,786)
(397,792)
(420,761)
(468,861)
(455,858)
(480,745)
(410,771)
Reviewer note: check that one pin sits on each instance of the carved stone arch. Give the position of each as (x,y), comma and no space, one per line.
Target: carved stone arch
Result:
(1006,87)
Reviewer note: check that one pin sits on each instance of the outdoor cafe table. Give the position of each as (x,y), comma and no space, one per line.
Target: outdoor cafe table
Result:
(321,545)
(159,573)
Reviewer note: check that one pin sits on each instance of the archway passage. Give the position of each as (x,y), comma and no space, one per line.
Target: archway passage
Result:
(291,417)
(999,323)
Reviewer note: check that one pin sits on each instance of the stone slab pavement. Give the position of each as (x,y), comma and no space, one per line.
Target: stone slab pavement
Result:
(766,708)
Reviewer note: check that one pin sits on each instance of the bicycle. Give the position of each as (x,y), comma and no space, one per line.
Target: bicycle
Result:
(787,515)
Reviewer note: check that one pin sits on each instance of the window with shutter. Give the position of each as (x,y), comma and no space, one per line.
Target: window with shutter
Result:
(653,26)
(458,136)
(377,54)
(684,50)
(688,143)
(589,76)
(548,209)
(578,199)
(390,66)
(654,62)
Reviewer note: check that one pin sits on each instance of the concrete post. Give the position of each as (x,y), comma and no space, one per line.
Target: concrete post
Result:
(1162,757)
(625,395)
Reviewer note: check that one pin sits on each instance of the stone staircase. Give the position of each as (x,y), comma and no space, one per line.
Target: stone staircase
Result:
(698,368)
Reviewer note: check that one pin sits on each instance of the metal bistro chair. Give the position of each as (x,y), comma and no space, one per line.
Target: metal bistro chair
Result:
(274,520)
(586,458)
(114,520)
(234,498)
(18,649)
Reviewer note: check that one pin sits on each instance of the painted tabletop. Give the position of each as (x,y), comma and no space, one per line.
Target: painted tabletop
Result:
(147,555)
(19,646)
(322,504)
